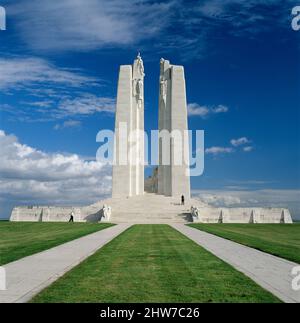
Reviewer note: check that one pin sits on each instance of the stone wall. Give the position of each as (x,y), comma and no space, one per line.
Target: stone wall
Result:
(205,214)
(45,214)
(243,215)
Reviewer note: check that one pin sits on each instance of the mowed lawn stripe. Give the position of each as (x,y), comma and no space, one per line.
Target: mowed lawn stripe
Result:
(21,239)
(153,263)
(282,240)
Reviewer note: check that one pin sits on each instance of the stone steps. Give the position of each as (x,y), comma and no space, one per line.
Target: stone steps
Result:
(149,208)
(136,215)
(148,218)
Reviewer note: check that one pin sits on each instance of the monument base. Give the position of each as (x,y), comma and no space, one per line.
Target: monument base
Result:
(151,209)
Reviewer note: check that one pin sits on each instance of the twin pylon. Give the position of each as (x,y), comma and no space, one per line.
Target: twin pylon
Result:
(171,178)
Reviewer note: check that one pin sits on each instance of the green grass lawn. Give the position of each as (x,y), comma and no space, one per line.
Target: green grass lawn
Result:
(281,240)
(20,239)
(153,263)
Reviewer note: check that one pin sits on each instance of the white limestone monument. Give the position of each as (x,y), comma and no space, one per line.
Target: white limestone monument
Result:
(173,179)
(128,166)
(131,201)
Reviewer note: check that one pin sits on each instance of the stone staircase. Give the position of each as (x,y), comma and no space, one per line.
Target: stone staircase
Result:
(149,208)
(153,218)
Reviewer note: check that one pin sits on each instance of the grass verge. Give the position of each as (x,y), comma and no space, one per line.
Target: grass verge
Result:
(282,240)
(20,239)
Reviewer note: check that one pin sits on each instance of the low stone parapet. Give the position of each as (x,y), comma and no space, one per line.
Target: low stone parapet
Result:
(45,214)
(242,215)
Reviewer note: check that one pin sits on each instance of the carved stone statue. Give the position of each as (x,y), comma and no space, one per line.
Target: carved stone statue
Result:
(139,90)
(137,82)
(140,64)
(140,93)
(163,90)
(195,212)
(105,213)
(134,86)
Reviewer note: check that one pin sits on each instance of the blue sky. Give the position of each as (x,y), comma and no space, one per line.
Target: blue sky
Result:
(58,76)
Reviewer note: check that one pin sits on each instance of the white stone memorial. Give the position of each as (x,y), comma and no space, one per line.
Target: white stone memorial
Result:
(173,179)
(161,201)
(128,166)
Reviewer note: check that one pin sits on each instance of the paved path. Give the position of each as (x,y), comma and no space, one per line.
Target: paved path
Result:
(270,272)
(29,275)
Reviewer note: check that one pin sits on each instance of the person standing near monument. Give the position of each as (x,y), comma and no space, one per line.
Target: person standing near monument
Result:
(182,199)
(71,217)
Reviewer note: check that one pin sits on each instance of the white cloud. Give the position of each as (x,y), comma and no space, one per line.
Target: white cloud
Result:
(194,109)
(41,104)
(85,105)
(240,141)
(50,92)
(68,124)
(92,24)
(248,148)
(200,21)
(88,24)
(220,109)
(244,17)
(30,176)
(66,107)
(24,72)
(220,199)
(219,150)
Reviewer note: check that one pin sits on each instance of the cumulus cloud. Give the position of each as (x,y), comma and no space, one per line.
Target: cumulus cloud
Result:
(239,141)
(220,199)
(196,110)
(219,150)
(235,143)
(68,124)
(248,148)
(220,109)
(30,176)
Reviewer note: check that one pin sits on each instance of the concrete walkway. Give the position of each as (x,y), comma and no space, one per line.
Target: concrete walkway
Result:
(28,276)
(270,272)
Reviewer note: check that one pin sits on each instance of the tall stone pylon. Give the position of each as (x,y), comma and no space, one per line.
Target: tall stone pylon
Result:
(173,170)
(128,168)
